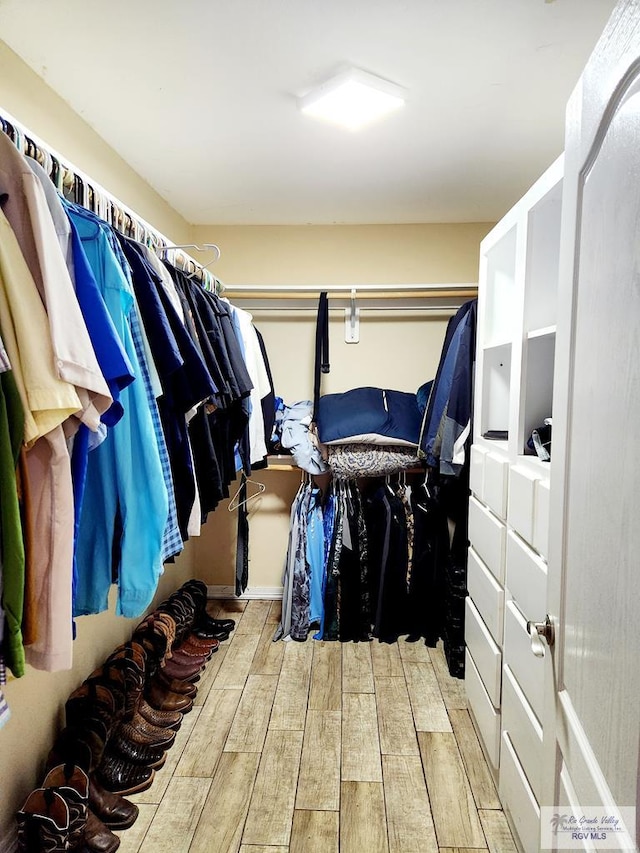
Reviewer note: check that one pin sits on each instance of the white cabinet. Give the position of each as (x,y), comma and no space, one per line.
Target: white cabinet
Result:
(487,595)
(557,326)
(496,483)
(488,536)
(526,577)
(509,504)
(485,653)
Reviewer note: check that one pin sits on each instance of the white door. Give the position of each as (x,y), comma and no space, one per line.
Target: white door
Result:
(592,725)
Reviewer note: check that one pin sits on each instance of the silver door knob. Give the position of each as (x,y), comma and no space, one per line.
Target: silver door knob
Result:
(539,631)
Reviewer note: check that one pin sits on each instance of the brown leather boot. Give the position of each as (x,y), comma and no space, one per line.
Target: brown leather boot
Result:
(71,746)
(86,831)
(131,663)
(122,777)
(174,685)
(182,671)
(196,644)
(98,838)
(163,719)
(72,783)
(163,699)
(43,823)
(112,809)
(147,732)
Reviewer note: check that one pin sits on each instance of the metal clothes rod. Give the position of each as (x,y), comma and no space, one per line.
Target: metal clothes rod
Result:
(353,299)
(312,308)
(269,291)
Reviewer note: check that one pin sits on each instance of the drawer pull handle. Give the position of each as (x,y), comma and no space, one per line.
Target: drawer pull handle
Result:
(538,631)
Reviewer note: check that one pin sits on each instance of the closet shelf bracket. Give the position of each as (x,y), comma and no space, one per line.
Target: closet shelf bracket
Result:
(352,320)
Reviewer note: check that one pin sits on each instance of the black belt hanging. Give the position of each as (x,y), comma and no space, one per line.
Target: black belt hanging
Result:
(242,542)
(322,348)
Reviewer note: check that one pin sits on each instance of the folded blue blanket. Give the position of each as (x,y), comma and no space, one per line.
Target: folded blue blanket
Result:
(369,416)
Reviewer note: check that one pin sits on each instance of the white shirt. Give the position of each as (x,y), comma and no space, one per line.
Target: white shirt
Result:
(260,380)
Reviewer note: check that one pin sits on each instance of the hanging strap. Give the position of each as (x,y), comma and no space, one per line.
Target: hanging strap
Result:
(322,348)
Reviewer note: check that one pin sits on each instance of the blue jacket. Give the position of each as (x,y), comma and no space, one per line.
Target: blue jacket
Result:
(447,423)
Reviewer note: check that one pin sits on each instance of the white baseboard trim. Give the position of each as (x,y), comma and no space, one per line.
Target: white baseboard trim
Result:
(225,592)
(9,844)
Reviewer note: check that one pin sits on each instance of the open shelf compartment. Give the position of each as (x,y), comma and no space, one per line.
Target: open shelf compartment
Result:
(500,290)
(543,256)
(537,398)
(496,391)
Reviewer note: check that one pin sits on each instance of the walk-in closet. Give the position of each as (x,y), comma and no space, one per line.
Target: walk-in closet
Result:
(318,385)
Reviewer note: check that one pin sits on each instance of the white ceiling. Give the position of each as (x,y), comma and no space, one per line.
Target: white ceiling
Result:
(199,96)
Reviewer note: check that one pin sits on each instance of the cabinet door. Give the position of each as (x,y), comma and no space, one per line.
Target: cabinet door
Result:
(594,532)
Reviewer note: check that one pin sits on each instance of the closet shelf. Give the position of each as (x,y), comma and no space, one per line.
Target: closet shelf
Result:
(498,344)
(545,332)
(345,291)
(275,463)
(354,297)
(493,444)
(534,463)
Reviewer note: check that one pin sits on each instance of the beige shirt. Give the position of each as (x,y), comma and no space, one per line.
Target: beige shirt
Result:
(47,400)
(27,211)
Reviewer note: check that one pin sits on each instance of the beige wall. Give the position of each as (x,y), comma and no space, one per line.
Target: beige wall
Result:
(37,107)
(398,350)
(346,254)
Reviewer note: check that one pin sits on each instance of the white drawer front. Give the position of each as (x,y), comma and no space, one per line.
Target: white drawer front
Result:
(486,717)
(476,471)
(487,534)
(525,732)
(541,518)
(487,595)
(522,484)
(518,799)
(526,667)
(496,482)
(526,578)
(484,651)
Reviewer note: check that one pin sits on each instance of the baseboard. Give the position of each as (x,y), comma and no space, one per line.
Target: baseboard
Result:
(225,592)
(9,844)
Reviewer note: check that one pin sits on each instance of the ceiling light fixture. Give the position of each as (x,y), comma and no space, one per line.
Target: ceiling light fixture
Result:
(353,99)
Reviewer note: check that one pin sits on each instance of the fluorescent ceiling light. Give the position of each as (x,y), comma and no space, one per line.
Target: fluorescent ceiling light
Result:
(353,99)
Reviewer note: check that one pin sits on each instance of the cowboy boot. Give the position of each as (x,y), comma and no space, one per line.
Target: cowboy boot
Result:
(86,830)
(203,622)
(72,783)
(112,809)
(134,727)
(43,823)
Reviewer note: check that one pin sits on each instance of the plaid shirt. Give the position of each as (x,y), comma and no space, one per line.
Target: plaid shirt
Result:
(5,713)
(172,543)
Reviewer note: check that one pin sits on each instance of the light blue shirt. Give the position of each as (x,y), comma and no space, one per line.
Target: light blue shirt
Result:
(125,507)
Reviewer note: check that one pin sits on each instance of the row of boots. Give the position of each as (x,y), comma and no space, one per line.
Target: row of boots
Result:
(119,724)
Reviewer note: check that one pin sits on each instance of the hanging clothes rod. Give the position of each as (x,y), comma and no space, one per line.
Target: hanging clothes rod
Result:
(313,308)
(305,291)
(443,299)
(78,186)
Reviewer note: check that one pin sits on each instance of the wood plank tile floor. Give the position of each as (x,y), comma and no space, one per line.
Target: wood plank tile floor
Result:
(318,748)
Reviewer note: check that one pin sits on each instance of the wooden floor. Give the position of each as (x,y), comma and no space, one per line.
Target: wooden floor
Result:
(321,747)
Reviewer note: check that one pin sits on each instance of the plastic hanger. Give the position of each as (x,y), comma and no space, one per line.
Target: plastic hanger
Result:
(387,481)
(235,504)
(214,248)
(425,484)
